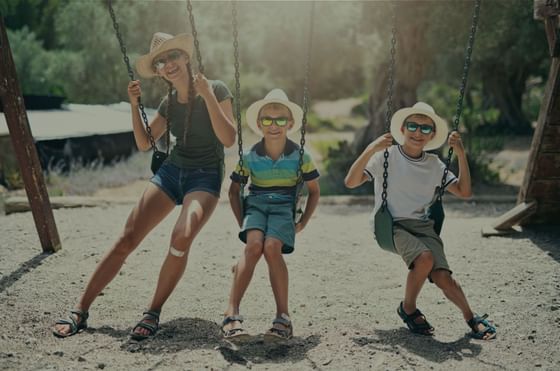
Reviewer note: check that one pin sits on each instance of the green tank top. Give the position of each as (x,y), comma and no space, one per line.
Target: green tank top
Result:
(202,148)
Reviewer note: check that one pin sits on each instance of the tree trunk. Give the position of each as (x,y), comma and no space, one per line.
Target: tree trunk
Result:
(412,59)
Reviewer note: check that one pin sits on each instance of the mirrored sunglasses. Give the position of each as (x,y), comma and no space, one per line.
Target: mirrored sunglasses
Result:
(279,121)
(424,129)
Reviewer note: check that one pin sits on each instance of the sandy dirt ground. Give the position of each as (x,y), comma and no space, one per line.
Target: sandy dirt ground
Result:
(344,291)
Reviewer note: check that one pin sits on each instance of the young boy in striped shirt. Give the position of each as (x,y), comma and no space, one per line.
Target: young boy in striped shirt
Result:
(267,216)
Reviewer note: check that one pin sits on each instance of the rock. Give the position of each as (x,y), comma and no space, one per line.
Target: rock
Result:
(101,365)
(59,353)
(81,359)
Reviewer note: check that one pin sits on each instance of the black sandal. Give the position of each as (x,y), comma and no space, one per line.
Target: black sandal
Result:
(488,329)
(276,334)
(423,328)
(234,334)
(151,316)
(75,325)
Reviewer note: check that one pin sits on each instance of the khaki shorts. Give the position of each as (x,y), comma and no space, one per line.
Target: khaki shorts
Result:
(412,237)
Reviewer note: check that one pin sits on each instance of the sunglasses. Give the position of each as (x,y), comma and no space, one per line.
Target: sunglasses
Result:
(279,121)
(170,57)
(424,129)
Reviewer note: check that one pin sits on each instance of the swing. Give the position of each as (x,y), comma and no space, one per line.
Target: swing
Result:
(299,199)
(158,157)
(383,224)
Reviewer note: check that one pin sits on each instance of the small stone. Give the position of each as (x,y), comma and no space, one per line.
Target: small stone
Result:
(554,308)
(81,359)
(327,362)
(101,365)
(59,353)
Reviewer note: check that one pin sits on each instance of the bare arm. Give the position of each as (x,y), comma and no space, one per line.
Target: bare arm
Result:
(157,126)
(461,188)
(235,202)
(356,176)
(221,113)
(314,191)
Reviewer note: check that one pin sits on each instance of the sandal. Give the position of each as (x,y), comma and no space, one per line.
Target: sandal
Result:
(277,334)
(487,333)
(236,333)
(423,328)
(150,322)
(77,323)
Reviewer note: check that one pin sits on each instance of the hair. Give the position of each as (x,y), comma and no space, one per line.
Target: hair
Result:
(275,106)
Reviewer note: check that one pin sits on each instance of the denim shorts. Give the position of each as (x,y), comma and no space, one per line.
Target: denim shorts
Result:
(272,214)
(177,182)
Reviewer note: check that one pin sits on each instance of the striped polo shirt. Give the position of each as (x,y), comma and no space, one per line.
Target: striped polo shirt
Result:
(278,176)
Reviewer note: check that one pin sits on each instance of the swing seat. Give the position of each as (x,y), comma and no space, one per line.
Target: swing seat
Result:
(383,229)
(436,213)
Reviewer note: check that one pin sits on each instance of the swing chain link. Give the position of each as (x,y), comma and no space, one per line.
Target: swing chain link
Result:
(237,93)
(131,74)
(389,111)
(305,105)
(462,89)
(195,34)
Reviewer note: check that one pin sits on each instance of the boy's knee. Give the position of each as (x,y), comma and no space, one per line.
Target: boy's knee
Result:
(272,249)
(253,249)
(424,261)
(442,278)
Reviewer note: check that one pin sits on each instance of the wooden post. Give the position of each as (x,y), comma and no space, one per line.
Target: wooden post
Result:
(24,148)
(548,11)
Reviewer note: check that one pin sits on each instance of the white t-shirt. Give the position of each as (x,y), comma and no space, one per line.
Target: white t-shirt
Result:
(412,183)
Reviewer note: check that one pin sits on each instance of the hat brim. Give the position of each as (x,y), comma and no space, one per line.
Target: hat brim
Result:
(441,127)
(253,113)
(182,42)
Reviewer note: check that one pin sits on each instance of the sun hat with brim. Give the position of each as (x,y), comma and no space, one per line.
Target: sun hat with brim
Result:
(162,42)
(274,96)
(420,108)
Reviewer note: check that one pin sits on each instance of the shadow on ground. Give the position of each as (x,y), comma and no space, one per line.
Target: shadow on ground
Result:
(429,348)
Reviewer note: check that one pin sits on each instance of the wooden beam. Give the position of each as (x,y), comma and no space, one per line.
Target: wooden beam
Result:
(515,216)
(24,148)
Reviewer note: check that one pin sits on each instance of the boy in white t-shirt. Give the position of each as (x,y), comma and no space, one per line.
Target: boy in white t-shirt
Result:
(414,177)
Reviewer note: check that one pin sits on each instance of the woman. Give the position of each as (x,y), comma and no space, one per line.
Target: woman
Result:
(199,114)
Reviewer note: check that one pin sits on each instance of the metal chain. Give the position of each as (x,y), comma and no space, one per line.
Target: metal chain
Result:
(237,90)
(305,105)
(459,107)
(131,75)
(389,111)
(194,34)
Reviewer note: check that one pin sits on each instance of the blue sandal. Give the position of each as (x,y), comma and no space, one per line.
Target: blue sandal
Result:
(77,323)
(487,333)
(234,334)
(146,323)
(423,328)
(276,334)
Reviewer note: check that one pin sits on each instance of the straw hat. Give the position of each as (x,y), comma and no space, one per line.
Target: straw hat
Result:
(274,96)
(162,42)
(420,108)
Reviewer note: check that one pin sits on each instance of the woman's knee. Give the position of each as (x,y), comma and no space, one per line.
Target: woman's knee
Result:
(126,243)
(424,261)
(180,243)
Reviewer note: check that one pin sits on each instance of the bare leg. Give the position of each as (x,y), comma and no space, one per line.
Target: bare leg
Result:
(278,273)
(153,206)
(243,273)
(415,280)
(196,210)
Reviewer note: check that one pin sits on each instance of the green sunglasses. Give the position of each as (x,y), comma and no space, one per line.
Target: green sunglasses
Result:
(279,121)
(413,126)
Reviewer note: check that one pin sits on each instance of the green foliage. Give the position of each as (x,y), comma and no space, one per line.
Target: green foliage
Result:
(338,162)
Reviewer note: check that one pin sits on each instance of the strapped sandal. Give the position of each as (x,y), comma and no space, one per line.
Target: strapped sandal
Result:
(75,325)
(275,334)
(149,315)
(487,333)
(234,334)
(423,328)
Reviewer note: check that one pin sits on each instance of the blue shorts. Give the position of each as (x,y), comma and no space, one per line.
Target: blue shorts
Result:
(273,214)
(177,182)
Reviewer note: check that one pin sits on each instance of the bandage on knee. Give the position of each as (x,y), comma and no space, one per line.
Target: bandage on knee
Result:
(178,253)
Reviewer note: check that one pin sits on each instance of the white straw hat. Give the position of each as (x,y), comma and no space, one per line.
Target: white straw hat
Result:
(274,96)
(420,108)
(162,42)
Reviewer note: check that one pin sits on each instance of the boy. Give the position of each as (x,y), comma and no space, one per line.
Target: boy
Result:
(267,226)
(414,177)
